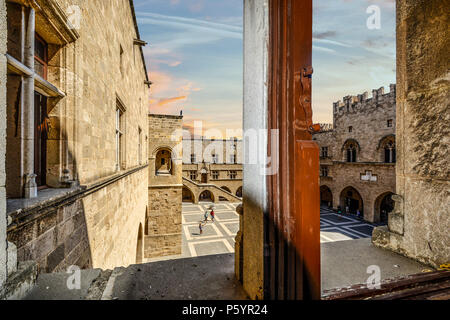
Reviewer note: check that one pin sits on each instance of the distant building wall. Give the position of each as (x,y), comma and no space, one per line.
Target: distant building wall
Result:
(163,224)
(367,124)
(217,162)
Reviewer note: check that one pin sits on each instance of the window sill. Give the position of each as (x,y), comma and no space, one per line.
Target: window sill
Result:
(45,197)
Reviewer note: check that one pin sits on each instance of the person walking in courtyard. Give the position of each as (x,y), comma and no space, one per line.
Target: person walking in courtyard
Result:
(200,226)
(212,215)
(206,216)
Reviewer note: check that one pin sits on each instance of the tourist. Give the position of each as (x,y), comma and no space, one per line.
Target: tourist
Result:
(358,213)
(206,216)
(200,226)
(212,215)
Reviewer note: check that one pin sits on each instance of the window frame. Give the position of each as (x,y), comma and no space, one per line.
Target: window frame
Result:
(120,137)
(44,63)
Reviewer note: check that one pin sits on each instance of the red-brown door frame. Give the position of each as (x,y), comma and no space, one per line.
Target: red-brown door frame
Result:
(292,224)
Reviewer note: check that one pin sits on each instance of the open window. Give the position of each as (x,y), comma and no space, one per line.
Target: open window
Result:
(163,162)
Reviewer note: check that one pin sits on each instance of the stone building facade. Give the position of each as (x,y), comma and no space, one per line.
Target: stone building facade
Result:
(358,155)
(76,175)
(420,223)
(163,224)
(212,170)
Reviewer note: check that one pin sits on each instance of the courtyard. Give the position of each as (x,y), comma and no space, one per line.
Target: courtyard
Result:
(219,236)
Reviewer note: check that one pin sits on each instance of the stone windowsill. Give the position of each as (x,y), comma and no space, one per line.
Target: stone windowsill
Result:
(48,197)
(45,197)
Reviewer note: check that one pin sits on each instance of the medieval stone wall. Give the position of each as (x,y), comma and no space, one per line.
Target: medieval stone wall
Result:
(367,123)
(3,44)
(94,228)
(98,72)
(419,225)
(163,224)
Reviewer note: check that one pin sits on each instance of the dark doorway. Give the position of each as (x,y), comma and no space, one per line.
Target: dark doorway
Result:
(206,196)
(383,206)
(41,126)
(204,178)
(239,192)
(352,201)
(326,196)
(188,196)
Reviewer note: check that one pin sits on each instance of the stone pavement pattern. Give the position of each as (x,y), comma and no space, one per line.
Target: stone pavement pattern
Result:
(337,227)
(219,237)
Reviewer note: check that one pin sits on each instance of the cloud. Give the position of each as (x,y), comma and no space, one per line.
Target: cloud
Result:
(192,25)
(167,92)
(326,34)
(165,101)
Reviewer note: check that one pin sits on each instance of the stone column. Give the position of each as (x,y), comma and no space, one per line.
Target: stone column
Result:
(28,111)
(3,71)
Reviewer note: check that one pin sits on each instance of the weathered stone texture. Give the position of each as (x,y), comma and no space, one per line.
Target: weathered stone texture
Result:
(368,118)
(423,64)
(98,71)
(3,247)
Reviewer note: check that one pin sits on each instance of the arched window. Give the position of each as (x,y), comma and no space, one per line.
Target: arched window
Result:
(163,162)
(389,152)
(351,152)
(387,149)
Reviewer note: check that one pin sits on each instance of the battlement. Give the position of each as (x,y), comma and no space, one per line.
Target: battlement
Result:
(361,101)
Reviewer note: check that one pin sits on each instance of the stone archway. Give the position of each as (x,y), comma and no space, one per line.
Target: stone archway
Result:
(140,246)
(326,196)
(188,195)
(226,189)
(382,206)
(350,198)
(163,162)
(206,196)
(239,192)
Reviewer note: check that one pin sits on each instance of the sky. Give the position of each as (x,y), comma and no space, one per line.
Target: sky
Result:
(194,56)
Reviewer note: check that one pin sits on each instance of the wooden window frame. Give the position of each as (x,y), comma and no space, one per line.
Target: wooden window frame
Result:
(44,62)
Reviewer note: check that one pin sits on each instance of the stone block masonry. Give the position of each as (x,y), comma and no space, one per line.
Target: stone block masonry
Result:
(87,227)
(163,225)
(93,180)
(367,124)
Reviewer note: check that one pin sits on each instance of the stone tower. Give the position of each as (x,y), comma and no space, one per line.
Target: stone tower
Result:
(163,221)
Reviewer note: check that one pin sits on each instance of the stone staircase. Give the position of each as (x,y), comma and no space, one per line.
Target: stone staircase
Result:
(198,188)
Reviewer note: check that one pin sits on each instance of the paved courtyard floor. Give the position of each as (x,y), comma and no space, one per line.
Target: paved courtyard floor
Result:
(337,227)
(219,236)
